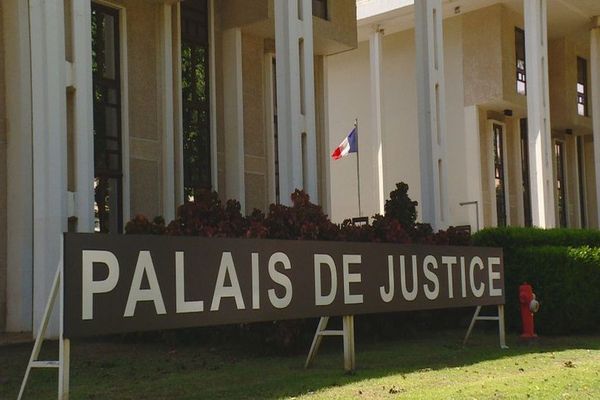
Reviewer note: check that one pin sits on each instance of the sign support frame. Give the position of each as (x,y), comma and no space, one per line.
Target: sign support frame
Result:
(499,318)
(64,345)
(347,332)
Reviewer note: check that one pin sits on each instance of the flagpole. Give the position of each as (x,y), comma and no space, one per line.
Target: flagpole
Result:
(357,167)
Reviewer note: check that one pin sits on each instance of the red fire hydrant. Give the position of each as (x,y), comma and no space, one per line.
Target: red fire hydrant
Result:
(529,305)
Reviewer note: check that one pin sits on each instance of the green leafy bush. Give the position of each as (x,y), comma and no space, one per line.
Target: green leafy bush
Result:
(401,207)
(566,281)
(518,237)
(562,265)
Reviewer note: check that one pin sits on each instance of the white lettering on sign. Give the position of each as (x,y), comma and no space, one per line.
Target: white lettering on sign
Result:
(281,279)
(449,262)
(493,276)
(409,296)
(183,306)
(136,293)
(477,291)
(227,268)
(431,294)
(463,278)
(255,282)
(320,298)
(388,295)
(89,286)
(349,278)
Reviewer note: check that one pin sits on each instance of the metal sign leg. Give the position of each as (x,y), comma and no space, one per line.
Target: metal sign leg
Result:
(63,363)
(349,354)
(347,333)
(499,318)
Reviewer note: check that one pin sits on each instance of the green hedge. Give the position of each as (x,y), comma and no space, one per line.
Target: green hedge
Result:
(520,237)
(566,281)
(562,265)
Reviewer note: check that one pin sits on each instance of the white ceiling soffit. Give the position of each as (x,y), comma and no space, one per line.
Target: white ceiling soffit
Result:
(564,16)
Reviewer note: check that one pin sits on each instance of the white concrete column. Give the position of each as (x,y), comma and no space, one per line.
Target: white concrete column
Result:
(48,82)
(83,114)
(296,98)
(376,56)
(538,114)
(233,93)
(19,241)
(168,127)
(431,109)
(595,86)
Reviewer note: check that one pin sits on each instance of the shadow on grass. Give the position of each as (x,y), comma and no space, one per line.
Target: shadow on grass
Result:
(117,370)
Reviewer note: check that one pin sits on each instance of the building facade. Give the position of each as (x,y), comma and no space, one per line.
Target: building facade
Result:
(488,109)
(112,108)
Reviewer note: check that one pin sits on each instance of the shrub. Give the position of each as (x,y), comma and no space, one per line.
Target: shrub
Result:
(209,218)
(141,225)
(303,220)
(401,207)
(566,281)
(517,236)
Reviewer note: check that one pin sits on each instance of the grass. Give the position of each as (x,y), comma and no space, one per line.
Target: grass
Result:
(433,367)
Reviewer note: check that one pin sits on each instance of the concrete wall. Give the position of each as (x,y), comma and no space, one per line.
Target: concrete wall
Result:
(510,20)
(482,55)
(349,98)
(255,147)
(145,114)
(3,167)
(333,35)
(562,56)
(338,32)
(238,13)
(145,118)
(490,57)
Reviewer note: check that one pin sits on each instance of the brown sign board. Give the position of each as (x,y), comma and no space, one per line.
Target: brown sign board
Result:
(117,284)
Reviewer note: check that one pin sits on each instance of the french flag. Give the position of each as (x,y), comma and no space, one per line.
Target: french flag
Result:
(348,145)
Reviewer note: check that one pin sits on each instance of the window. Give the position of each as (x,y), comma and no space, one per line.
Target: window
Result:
(582,86)
(520,53)
(108,165)
(319,8)
(525,173)
(559,152)
(195,98)
(499,180)
(581,180)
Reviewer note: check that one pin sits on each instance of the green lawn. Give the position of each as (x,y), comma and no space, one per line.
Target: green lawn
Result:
(434,367)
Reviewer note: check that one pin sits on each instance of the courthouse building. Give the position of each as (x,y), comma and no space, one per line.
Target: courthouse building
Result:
(493,103)
(111,108)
